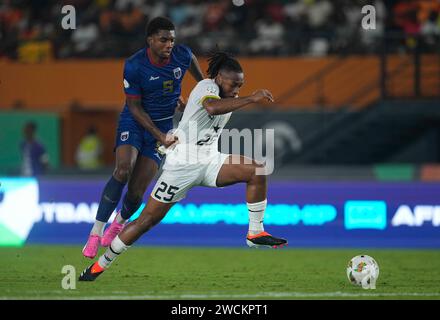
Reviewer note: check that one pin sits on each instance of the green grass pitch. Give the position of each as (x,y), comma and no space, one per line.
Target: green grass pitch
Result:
(34,272)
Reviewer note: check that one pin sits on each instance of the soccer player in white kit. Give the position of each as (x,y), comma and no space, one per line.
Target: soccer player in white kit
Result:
(195,161)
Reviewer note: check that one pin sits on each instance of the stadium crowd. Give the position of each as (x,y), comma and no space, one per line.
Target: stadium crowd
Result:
(31,31)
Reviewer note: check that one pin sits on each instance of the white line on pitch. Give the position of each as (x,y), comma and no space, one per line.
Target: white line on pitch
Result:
(123,295)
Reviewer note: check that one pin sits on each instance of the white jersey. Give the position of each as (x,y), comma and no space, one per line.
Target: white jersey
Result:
(195,159)
(198,129)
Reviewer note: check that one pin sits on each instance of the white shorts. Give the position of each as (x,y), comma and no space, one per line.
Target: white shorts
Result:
(177,177)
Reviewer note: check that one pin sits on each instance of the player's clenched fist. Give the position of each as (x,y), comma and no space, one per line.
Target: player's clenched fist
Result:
(168,140)
(262,94)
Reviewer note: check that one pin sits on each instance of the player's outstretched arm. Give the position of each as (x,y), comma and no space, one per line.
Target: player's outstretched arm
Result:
(135,107)
(195,69)
(222,106)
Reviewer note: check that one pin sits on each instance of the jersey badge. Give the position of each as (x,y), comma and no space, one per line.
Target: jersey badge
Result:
(177,73)
(124,135)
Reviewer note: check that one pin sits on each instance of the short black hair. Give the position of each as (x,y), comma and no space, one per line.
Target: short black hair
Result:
(159,23)
(220,60)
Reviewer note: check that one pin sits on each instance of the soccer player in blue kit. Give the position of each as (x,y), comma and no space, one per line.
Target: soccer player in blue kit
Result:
(152,84)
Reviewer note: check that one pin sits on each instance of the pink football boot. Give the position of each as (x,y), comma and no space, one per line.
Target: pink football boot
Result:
(111,232)
(91,248)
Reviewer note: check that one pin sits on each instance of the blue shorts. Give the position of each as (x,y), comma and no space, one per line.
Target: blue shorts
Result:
(132,133)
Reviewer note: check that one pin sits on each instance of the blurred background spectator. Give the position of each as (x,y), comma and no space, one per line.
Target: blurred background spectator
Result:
(35,159)
(115,28)
(89,151)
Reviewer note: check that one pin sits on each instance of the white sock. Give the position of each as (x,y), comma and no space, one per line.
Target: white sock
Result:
(256,215)
(98,228)
(112,252)
(119,218)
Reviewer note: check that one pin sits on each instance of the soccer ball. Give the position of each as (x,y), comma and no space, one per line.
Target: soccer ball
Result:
(363,271)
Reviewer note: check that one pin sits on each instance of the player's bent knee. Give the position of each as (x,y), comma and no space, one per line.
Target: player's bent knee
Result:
(257,177)
(123,171)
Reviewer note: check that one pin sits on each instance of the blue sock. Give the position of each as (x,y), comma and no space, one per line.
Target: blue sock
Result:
(109,199)
(129,207)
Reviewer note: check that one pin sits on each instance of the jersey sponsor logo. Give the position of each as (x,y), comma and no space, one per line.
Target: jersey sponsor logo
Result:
(154,78)
(124,135)
(126,84)
(177,73)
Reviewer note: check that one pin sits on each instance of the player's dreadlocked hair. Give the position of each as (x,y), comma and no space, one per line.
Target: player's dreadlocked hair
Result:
(220,60)
(159,23)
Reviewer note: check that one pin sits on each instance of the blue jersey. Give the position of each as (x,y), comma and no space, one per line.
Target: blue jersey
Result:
(159,86)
